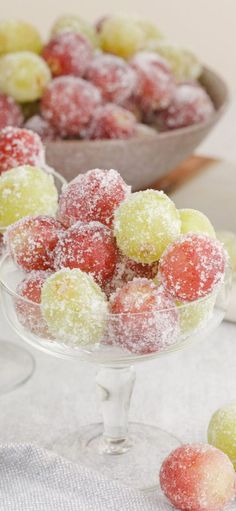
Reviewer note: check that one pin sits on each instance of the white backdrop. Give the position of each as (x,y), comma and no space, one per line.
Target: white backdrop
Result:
(206,26)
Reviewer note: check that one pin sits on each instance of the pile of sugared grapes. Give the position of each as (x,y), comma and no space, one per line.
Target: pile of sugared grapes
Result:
(104,266)
(98,81)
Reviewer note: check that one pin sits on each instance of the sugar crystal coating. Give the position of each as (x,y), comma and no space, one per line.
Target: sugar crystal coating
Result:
(32,240)
(155,82)
(198,477)
(222,430)
(195,315)
(23,75)
(111,121)
(68,104)
(127,269)
(184,63)
(192,267)
(74,308)
(190,104)
(90,247)
(24,191)
(10,112)
(144,319)
(193,220)
(93,196)
(68,53)
(27,307)
(114,78)
(145,224)
(20,147)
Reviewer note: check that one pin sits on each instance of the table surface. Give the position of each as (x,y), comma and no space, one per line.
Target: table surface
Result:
(178,392)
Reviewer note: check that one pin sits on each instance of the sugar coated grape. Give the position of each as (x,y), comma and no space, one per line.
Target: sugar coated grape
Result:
(150,30)
(27,307)
(72,23)
(68,104)
(23,75)
(20,147)
(91,248)
(111,121)
(18,35)
(145,319)
(228,239)
(145,224)
(68,54)
(190,104)
(195,315)
(192,267)
(113,76)
(31,242)
(198,477)
(42,127)
(193,220)
(26,191)
(74,307)
(93,196)
(183,62)
(121,35)
(10,112)
(155,83)
(222,431)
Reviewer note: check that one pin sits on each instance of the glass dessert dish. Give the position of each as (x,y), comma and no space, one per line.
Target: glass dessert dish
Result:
(17,364)
(129,452)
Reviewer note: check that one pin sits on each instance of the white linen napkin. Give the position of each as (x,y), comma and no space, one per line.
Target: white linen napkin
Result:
(33,479)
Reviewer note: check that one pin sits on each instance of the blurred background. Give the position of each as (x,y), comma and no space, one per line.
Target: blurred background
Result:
(206,26)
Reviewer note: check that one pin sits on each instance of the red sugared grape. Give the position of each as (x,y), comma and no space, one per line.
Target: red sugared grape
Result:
(190,104)
(68,104)
(90,247)
(144,318)
(31,242)
(127,269)
(112,121)
(68,53)
(155,83)
(113,76)
(20,147)
(41,127)
(93,196)
(29,314)
(10,112)
(192,266)
(198,477)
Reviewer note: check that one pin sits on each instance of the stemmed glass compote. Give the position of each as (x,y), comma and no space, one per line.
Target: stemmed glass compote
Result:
(129,452)
(16,363)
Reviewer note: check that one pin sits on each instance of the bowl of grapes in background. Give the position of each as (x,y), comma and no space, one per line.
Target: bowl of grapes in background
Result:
(116,94)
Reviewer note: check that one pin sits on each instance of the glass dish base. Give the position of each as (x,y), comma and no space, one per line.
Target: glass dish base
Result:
(135,463)
(16,366)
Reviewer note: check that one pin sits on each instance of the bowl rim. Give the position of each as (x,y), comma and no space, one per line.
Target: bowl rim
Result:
(218,112)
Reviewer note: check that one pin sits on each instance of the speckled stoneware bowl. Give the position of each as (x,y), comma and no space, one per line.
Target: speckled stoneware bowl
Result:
(144,158)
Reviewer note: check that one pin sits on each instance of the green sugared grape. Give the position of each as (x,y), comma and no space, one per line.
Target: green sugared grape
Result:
(222,431)
(228,239)
(184,64)
(122,36)
(17,35)
(26,191)
(151,32)
(193,220)
(71,23)
(194,315)
(145,224)
(74,307)
(23,75)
